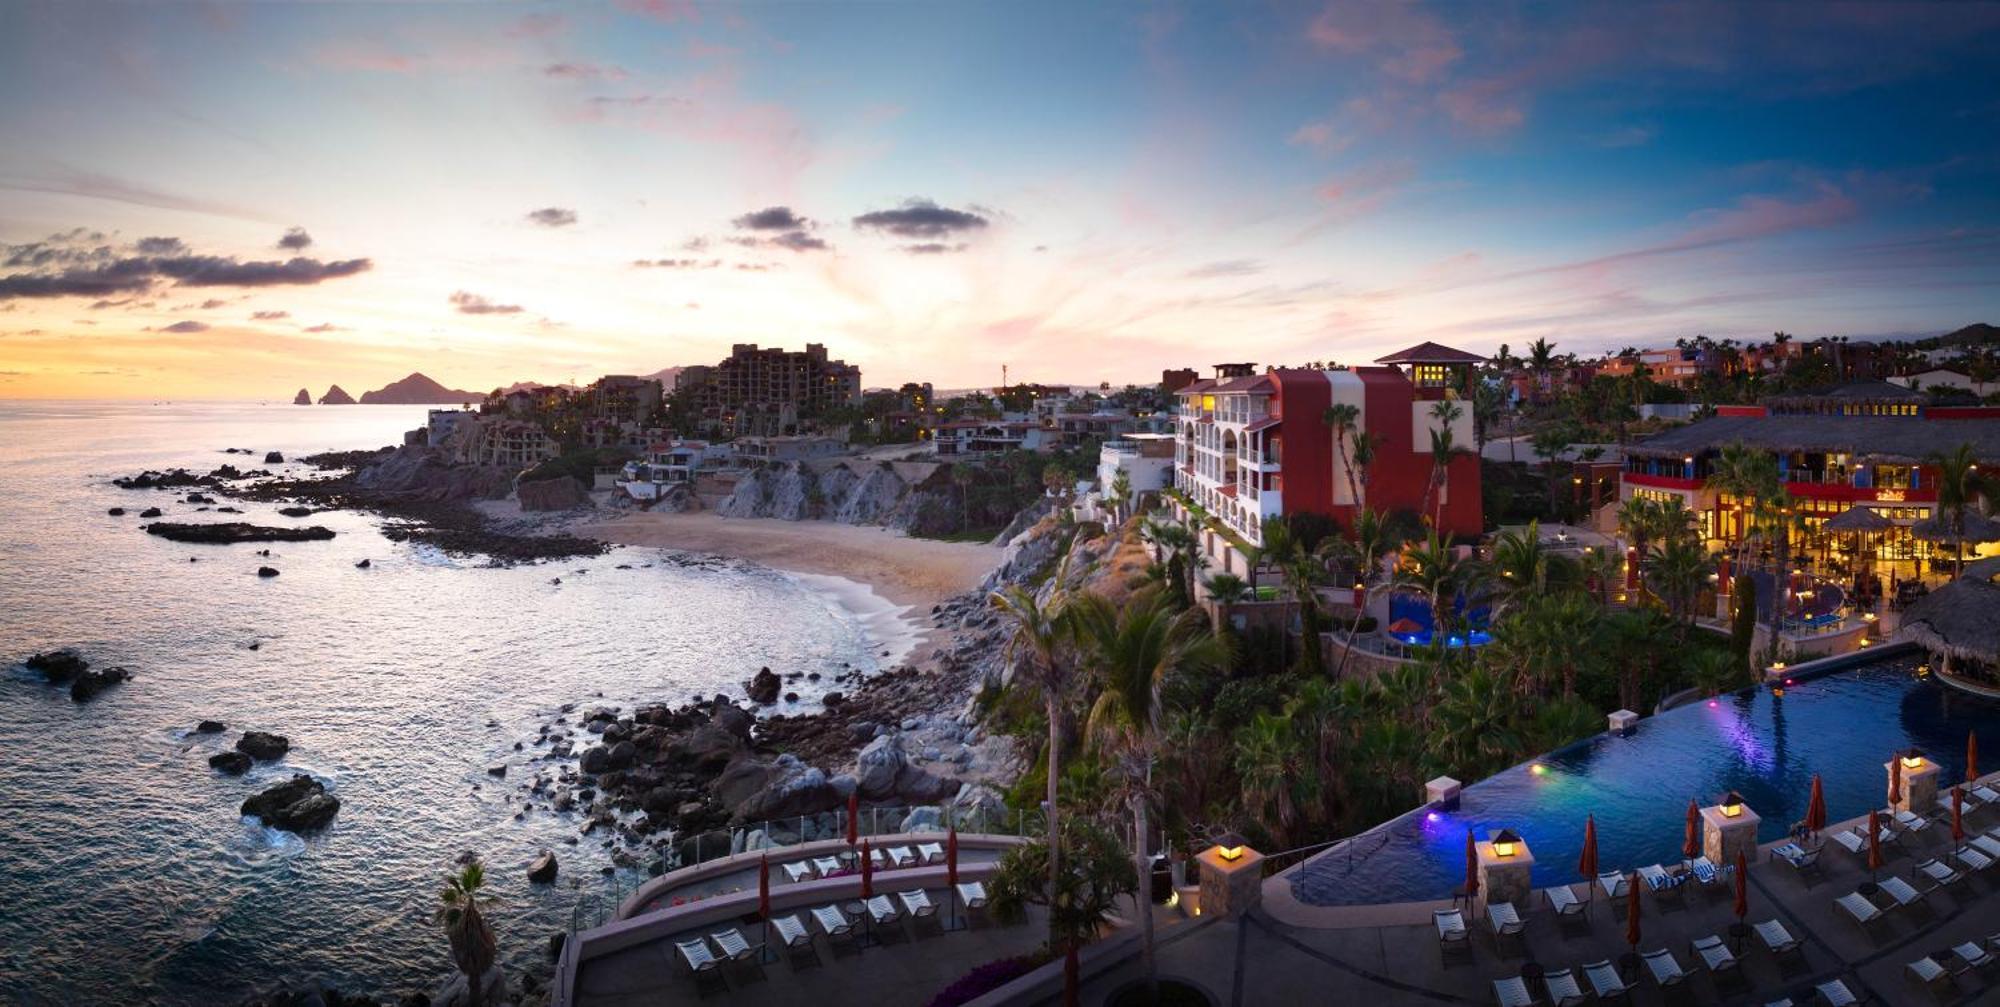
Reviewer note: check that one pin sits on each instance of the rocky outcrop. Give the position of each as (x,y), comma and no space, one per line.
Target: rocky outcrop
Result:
(296,511)
(763,687)
(230,763)
(274,458)
(209,727)
(303,398)
(913,496)
(263,745)
(58,666)
(781,788)
(542,869)
(884,772)
(231,532)
(425,473)
(560,493)
(418,390)
(96,680)
(267,571)
(300,804)
(336,396)
(150,512)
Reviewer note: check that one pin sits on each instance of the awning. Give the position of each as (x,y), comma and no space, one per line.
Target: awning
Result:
(1264,424)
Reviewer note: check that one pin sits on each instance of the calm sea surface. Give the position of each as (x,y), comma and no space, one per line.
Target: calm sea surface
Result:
(126,874)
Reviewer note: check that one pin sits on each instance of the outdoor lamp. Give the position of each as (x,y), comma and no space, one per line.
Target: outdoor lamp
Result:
(1732,804)
(1913,759)
(1230,847)
(1504,843)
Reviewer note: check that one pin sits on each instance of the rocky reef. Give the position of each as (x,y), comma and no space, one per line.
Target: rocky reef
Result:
(232,532)
(300,804)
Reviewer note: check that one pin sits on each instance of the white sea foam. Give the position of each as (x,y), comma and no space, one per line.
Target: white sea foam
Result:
(888,627)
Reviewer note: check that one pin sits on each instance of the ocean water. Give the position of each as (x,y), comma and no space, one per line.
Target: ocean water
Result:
(126,874)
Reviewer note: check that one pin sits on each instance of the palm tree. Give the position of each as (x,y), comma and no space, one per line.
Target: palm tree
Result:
(1445,412)
(1959,485)
(1277,777)
(962,476)
(1344,418)
(1131,652)
(463,915)
(1038,648)
(1541,360)
(1675,570)
(1370,542)
(1228,589)
(1119,495)
(1434,571)
(1363,448)
(1523,569)
(1550,443)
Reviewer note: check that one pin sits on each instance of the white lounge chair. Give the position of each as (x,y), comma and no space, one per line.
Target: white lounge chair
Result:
(1512,992)
(1939,874)
(1451,929)
(917,903)
(1780,1002)
(1613,883)
(827,866)
(1666,970)
(799,871)
(1776,938)
(882,911)
(1704,872)
(1564,902)
(1985,844)
(1715,956)
(972,894)
(694,951)
(1657,878)
(832,921)
(1604,980)
(1972,860)
(1911,821)
(1986,794)
(1900,891)
(930,853)
(1562,987)
(733,946)
(1927,971)
(1857,905)
(1972,956)
(792,931)
(1505,921)
(1836,993)
(900,856)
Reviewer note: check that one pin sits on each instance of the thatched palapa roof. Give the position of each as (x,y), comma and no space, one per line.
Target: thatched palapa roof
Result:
(1958,619)
(1938,528)
(1856,519)
(1891,438)
(1983,569)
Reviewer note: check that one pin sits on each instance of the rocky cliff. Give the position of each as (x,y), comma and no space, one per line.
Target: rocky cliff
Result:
(418,390)
(336,396)
(912,496)
(303,398)
(424,473)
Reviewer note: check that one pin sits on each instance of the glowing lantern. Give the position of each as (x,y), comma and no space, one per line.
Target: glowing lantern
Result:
(1732,804)
(1913,759)
(1505,842)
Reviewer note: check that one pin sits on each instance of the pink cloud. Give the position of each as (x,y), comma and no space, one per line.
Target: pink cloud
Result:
(540,26)
(1407,42)
(662,10)
(1318,136)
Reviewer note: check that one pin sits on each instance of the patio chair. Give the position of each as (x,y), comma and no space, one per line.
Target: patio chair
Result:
(799,871)
(883,911)
(1803,861)
(798,941)
(900,856)
(1836,993)
(1665,887)
(1927,972)
(838,928)
(1971,956)
(1605,981)
(1900,892)
(1715,956)
(1613,884)
(1776,938)
(745,958)
(1666,970)
(917,903)
(1939,874)
(1984,794)
(1453,937)
(930,853)
(1985,844)
(827,866)
(972,896)
(1512,992)
(1562,987)
(1857,906)
(1972,860)
(1911,822)
(1704,872)
(707,971)
(1567,907)
(1505,921)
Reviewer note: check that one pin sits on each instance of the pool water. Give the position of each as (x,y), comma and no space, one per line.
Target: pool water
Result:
(1766,747)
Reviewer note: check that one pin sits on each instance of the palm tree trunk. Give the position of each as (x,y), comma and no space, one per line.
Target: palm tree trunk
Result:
(1353,629)
(1143,898)
(1070,980)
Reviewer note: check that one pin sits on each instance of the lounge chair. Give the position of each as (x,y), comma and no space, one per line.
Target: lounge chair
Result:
(832,921)
(917,903)
(1666,888)
(1855,840)
(798,941)
(1857,906)
(1715,956)
(1567,906)
(1944,805)
(1972,860)
(827,866)
(1900,892)
(972,894)
(1704,872)
(1613,884)
(1504,920)
(883,911)
(1453,937)
(1939,874)
(1512,992)
(1780,1002)
(1776,938)
(1985,794)
(900,856)
(1836,993)
(1985,844)
(1666,970)
(1972,956)
(1911,822)
(705,968)
(745,958)
(1562,987)
(799,871)
(1605,982)
(1928,972)
(930,853)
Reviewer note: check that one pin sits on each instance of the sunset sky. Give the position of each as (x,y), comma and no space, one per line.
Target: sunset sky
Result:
(233,200)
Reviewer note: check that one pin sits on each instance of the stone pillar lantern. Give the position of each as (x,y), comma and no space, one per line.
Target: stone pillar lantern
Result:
(1920,781)
(1728,828)
(1442,792)
(1506,868)
(1232,878)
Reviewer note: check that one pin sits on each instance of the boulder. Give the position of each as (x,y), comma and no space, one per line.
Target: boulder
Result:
(499,770)
(542,869)
(596,759)
(763,687)
(878,767)
(150,512)
(928,818)
(560,493)
(116,512)
(707,747)
(296,511)
(456,992)
(267,571)
(90,683)
(208,727)
(229,763)
(58,665)
(790,789)
(363,565)
(229,532)
(300,804)
(303,398)
(921,786)
(704,846)
(273,458)
(734,719)
(263,745)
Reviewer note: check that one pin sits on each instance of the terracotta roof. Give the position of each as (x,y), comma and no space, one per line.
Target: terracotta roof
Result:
(1253,383)
(1431,353)
(1264,424)
(1198,387)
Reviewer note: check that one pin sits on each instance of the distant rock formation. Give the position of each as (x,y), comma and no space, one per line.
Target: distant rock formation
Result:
(228,532)
(560,493)
(418,390)
(336,396)
(303,398)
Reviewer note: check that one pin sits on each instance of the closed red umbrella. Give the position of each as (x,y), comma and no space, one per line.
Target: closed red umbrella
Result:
(1471,867)
(1895,780)
(1957,814)
(1874,843)
(1692,844)
(853,818)
(867,872)
(1971,757)
(951,857)
(1742,907)
(1816,808)
(764,887)
(1632,912)
(1586,863)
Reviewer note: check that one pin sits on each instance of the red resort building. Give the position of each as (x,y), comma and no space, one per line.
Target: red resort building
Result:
(1250,446)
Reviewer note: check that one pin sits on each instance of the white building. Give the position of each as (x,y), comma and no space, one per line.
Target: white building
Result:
(981,437)
(443,421)
(1943,377)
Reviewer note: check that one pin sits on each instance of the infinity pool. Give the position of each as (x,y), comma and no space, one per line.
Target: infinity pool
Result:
(1843,726)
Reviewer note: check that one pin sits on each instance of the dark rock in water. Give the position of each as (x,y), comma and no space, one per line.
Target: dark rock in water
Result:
(198,498)
(596,759)
(265,571)
(273,458)
(832,700)
(499,770)
(150,512)
(208,727)
(230,763)
(543,869)
(116,512)
(228,510)
(227,532)
(90,683)
(58,665)
(763,687)
(263,745)
(300,804)
(791,697)
(363,565)
(295,511)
